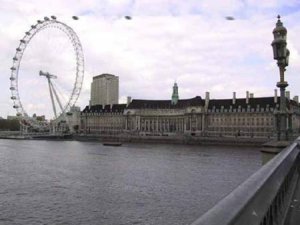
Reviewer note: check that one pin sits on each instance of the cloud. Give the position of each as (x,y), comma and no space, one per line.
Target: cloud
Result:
(168,40)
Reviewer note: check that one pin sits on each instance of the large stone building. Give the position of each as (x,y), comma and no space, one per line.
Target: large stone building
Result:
(103,120)
(163,117)
(235,117)
(105,90)
(249,117)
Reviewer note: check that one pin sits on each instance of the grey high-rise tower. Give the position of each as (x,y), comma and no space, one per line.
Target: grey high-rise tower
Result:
(105,90)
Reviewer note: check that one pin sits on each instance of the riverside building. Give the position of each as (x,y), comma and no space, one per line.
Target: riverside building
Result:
(234,117)
(97,119)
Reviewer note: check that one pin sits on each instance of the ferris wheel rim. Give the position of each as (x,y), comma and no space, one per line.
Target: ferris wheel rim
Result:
(17,59)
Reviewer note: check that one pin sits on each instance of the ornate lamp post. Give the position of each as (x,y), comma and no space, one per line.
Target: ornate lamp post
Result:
(281,54)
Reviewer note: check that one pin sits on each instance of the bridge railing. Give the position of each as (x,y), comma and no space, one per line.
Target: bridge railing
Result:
(264,198)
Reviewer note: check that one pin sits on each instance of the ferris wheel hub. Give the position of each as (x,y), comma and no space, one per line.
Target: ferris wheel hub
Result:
(47,75)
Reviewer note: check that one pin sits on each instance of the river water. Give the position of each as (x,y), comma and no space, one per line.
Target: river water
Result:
(69,182)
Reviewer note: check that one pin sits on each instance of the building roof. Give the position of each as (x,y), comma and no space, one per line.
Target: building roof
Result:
(253,103)
(165,104)
(105,75)
(105,109)
(263,102)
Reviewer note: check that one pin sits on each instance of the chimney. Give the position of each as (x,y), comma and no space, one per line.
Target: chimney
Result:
(233,98)
(247,97)
(296,99)
(275,96)
(287,95)
(251,95)
(206,98)
(128,100)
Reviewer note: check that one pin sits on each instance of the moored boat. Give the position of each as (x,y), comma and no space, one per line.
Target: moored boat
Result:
(112,143)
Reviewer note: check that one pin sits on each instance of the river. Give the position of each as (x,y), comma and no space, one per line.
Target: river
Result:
(70,182)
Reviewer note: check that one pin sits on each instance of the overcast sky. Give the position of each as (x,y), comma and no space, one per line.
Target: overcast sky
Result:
(189,42)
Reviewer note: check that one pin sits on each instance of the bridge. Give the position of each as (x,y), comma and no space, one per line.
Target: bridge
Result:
(270,196)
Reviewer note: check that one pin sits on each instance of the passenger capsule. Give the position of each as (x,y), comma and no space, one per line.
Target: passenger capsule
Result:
(23,41)
(12,78)
(13,97)
(18,49)
(12,88)
(75,18)
(53,17)
(13,68)
(27,33)
(46,18)
(33,26)
(15,58)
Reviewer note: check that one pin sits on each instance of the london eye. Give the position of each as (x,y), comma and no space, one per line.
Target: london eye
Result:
(46,74)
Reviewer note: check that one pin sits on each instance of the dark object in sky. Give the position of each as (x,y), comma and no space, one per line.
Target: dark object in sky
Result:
(128,17)
(229,18)
(75,17)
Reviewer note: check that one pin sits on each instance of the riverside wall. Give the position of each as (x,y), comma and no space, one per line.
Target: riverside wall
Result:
(129,138)
(175,139)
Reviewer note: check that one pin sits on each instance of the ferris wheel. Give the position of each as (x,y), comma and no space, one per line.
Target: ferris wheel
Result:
(43,80)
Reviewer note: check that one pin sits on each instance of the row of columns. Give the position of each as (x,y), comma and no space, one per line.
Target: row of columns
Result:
(180,124)
(162,125)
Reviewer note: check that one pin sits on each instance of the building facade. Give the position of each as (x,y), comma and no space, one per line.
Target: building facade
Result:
(164,118)
(235,117)
(103,120)
(249,117)
(245,117)
(105,90)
